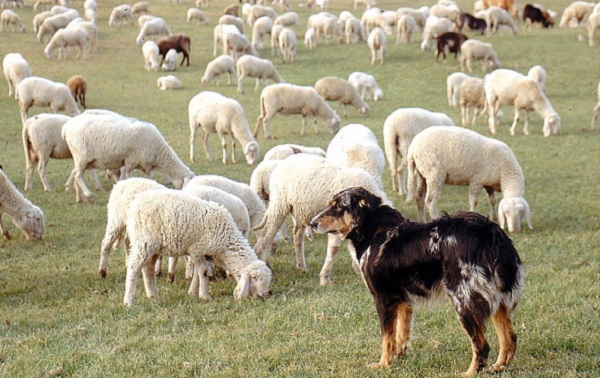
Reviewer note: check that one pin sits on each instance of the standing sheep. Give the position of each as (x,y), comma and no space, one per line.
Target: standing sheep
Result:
(496,17)
(120,15)
(67,37)
(596,111)
(156,26)
(218,66)
(215,113)
(474,49)
(170,61)
(538,73)
(38,91)
(78,87)
(261,69)
(281,151)
(261,27)
(333,88)
(150,52)
(377,41)
(167,83)
(25,215)
(405,27)
(366,85)
(310,38)
(197,15)
(593,24)
(9,17)
(472,94)
(576,13)
(456,156)
(287,45)
(453,83)
(293,99)
(15,68)
(434,26)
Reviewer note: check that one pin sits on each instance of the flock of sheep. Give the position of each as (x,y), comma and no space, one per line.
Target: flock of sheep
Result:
(208,219)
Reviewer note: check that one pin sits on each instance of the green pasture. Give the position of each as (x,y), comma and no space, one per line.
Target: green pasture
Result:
(59,319)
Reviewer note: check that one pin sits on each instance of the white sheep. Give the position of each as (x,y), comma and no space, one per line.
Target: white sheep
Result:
(69,37)
(326,27)
(120,15)
(24,214)
(236,45)
(90,15)
(46,3)
(155,225)
(261,69)
(12,19)
(257,11)
(261,27)
(576,13)
(399,129)
(355,145)
(473,49)
(302,185)
(287,45)
(472,94)
(168,82)
(377,41)
(373,18)
(333,88)
(154,27)
(508,87)
(405,27)
(15,68)
(366,85)
(539,74)
(449,155)
(215,113)
(13,3)
(107,140)
(219,33)
(170,62)
(228,19)
(150,53)
(282,151)
(496,17)
(288,19)
(91,30)
(50,25)
(143,18)
(453,83)
(354,31)
(39,18)
(39,91)
(596,111)
(140,7)
(310,38)
(195,14)
(420,15)
(434,26)
(218,66)
(593,24)
(293,99)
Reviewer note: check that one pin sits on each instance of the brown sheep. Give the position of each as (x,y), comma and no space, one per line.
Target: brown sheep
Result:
(449,42)
(78,87)
(179,42)
(231,10)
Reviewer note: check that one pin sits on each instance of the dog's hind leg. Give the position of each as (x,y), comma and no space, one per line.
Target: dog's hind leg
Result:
(506,338)
(474,326)
(333,246)
(403,327)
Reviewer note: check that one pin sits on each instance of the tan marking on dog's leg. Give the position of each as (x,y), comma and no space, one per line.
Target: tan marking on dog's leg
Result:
(387,350)
(481,350)
(387,319)
(403,328)
(506,337)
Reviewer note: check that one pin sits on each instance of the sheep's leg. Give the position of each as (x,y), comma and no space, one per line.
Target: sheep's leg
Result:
(299,246)
(420,196)
(193,131)
(111,235)
(82,190)
(171,265)
(257,84)
(4,230)
(595,117)
(491,193)
(464,112)
(223,139)
(206,147)
(240,85)
(149,276)
(474,190)
(303,125)
(199,282)
(233,149)
(314,119)
(333,246)
(526,126)
(134,265)
(475,111)
(434,187)
(97,183)
(29,168)
(43,176)
(515,122)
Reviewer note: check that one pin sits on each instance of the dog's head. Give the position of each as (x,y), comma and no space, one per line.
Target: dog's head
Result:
(346,212)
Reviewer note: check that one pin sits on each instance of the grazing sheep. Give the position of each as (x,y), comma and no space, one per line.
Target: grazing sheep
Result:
(373,18)
(215,113)
(302,185)
(120,15)
(449,42)
(287,45)
(399,129)
(251,66)
(293,99)
(434,26)
(232,9)
(576,13)
(90,15)
(509,5)
(91,30)
(218,66)
(39,91)
(450,11)
(596,111)
(472,23)
(593,24)
(227,19)
(197,15)
(236,45)
(447,155)
(366,85)
(275,39)
(46,3)
(50,25)
(69,37)
(140,7)
(24,214)
(39,18)
(333,88)
(15,68)
(143,18)
(508,87)
(154,27)
(167,83)
(154,221)
(496,17)
(9,17)
(281,151)
(261,27)
(326,27)
(179,42)
(150,52)
(78,87)
(420,15)
(310,38)
(474,49)
(356,146)
(405,27)
(107,140)
(288,19)
(170,61)
(257,11)
(453,83)
(219,33)
(472,94)
(538,73)
(377,41)
(533,14)
(354,31)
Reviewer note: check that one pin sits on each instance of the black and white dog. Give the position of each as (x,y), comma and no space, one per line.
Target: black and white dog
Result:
(465,256)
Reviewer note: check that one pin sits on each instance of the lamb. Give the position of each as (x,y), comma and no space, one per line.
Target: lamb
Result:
(287,45)
(355,145)
(197,15)
(453,83)
(292,99)
(154,27)
(366,85)
(434,26)
(261,27)
(377,41)
(154,221)
(170,61)
(596,111)
(9,17)
(107,140)
(399,129)
(120,15)
(38,91)
(150,52)
(91,30)
(288,19)
(496,17)
(218,66)
(442,155)
(473,49)
(15,68)
(215,113)
(251,66)
(333,88)
(405,27)
(69,37)
(508,87)
(576,13)
(179,42)
(24,214)
(167,83)
(78,87)
(302,185)
(593,23)
(538,73)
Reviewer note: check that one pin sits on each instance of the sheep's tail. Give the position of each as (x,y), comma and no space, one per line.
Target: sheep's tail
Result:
(411,181)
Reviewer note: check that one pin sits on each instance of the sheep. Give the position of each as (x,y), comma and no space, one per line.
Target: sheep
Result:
(218,66)
(91,30)
(227,19)
(236,45)
(140,7)
(496,17)
(24,214)
(596,111)
(533,14)
(39,91)
(292,99)
(154,221)
(63,38)
(197,15)
(9,17)
(288,19)
(120,15)
(310,38)
(90,15)
(169,82)
(472,23)
(150,52)
(39,18)
(333,88)
(576,13)
(354,31)
(319,4)
(275,39)
(107,140)
(143,18)
(47,3)
(593,23)
(287,45)
(434,26)
(420,15)
(15,68)
(13,3)
(232,9)
(325,25)
(215,113)
(508,87)
(472,94)
(78,87)
(219,32)
(405,27)
(449,155)
(449,42)
(366,85)
(282,151)
(453,83)
(539,74)
(258,11)
(373,18)
(251,66)
(154,27)
(399,129)
(302,185)
(377,41)
(170,61)
(509,5)
(355,145)
(475,49)
(179,42)
(261,27)
(50,25)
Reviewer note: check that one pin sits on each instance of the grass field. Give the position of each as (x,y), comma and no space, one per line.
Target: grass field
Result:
(58,318)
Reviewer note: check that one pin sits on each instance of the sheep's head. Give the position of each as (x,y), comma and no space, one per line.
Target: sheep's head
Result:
(256,279)
(32,223)
(333,124)
(48,51)
(511,211)
(378,94)
(251,150)
(552,125)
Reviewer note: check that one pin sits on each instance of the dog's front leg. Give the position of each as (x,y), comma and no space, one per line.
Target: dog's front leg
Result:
(387,319)
(403,328)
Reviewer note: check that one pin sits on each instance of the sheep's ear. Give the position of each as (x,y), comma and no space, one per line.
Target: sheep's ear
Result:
(242,290)
(501,214)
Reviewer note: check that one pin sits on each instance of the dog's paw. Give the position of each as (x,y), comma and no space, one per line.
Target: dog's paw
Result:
(375,365)
(498,368)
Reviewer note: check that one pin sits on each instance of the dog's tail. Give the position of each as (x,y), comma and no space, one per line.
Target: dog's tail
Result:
(411,181)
